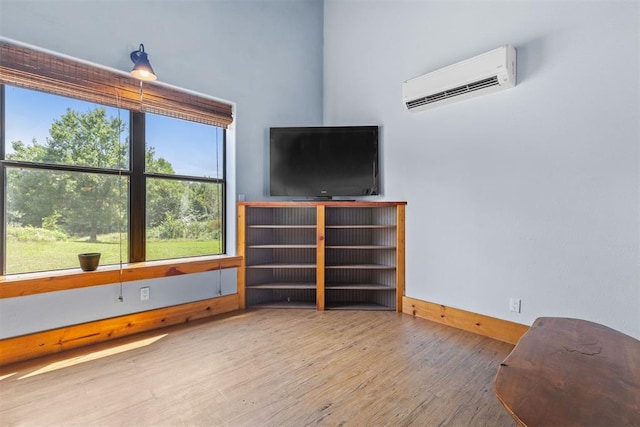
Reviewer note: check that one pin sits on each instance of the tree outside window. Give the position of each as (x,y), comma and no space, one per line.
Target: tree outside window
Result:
(68,192)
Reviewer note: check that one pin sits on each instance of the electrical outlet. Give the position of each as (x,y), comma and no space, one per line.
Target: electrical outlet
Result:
(514,305)
(144,294)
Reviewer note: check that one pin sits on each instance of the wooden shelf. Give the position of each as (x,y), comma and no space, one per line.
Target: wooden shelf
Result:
(361,226)
(342,255)
(358,306)
(282,246)
(283,285)
(359,287)
(361,267)
(268,266)
(315,203)
(360,247)
(282,226)
(286,304)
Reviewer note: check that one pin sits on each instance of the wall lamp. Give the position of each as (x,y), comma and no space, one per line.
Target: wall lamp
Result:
(142,68)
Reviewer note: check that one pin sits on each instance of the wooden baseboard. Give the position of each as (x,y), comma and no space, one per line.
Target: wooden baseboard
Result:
(30,346)
(501,330)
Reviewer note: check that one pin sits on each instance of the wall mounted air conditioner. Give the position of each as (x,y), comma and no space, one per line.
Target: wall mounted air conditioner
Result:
(486,73)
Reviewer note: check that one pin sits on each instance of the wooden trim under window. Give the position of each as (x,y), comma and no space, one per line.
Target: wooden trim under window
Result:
(19,285)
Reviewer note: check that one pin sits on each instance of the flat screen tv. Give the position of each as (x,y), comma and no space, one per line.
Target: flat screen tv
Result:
(324,162)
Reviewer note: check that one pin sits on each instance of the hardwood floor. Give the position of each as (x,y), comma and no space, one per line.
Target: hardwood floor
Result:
(268,368)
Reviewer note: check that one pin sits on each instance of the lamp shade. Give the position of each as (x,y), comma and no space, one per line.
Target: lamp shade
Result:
(141,67)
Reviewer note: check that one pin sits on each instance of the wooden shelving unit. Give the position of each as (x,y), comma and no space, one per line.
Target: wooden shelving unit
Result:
(322,255)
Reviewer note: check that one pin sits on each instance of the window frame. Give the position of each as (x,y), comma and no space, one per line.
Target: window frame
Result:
(98,83)
(138,189)
(137,185)
(3,189)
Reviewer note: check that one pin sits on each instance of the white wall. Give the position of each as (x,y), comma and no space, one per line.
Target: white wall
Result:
(531,192)
(24,315)
(265,56)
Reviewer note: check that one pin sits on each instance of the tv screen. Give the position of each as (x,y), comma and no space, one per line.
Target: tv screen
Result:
(323,162)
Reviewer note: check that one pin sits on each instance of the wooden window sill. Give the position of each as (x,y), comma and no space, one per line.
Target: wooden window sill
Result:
(18,285)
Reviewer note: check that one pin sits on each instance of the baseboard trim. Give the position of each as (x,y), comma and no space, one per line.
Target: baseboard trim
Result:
(26,347)
(44,343)
(501,330)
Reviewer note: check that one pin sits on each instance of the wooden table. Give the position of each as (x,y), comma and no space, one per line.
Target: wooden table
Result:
(569,372)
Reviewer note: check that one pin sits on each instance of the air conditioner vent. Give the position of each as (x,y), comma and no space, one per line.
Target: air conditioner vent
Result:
(482,74)
(450,93)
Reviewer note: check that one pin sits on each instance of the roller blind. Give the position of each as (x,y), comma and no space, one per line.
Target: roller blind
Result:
(33,69)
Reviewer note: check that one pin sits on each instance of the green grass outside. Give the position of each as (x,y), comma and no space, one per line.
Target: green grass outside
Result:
(25,257)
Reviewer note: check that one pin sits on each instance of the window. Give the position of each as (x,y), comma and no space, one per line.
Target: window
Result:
(66,170)
(79,177)
(184,172)
(69,176)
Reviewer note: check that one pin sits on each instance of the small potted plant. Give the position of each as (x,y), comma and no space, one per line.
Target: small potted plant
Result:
(89,261)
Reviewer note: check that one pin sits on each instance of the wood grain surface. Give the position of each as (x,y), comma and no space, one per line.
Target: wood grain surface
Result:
(571,372)
(268,368)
